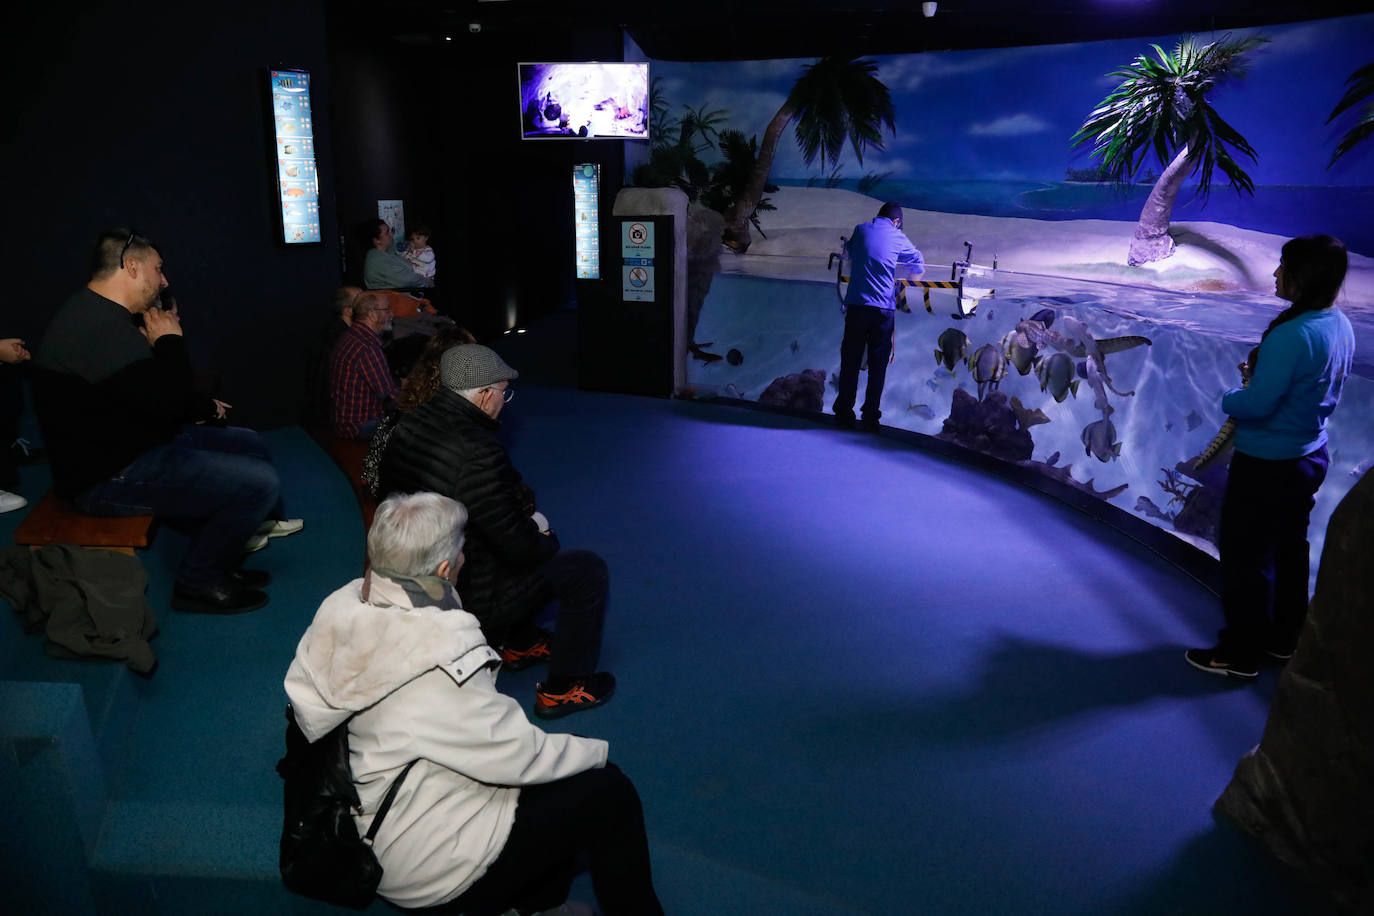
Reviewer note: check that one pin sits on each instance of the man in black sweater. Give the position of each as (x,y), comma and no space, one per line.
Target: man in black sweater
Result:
(514,564)
(126,434)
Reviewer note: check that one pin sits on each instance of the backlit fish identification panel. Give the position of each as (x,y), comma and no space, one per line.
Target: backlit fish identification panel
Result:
(298,189)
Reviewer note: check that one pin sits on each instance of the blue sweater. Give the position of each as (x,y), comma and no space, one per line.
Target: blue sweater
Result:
(1297,384)
(875,248)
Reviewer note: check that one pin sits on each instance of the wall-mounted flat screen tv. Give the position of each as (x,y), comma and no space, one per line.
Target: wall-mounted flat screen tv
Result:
(584,101)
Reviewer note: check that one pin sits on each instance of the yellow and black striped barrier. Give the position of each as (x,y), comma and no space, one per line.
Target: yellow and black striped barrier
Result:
(926,286)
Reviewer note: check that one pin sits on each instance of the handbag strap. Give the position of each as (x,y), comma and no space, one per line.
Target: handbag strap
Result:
(386,804)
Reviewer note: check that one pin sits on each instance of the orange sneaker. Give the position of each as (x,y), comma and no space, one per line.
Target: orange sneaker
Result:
(514,659)
(552,701)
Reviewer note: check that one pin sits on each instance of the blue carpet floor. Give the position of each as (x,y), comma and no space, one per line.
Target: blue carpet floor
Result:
(855,678)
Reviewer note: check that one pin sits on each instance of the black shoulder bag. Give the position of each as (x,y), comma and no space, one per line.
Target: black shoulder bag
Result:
(321,854)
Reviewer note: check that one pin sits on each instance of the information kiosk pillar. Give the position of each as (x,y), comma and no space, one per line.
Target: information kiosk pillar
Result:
(632,323)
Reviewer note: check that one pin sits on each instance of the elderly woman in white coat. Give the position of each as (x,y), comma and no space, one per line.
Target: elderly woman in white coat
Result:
(495,812)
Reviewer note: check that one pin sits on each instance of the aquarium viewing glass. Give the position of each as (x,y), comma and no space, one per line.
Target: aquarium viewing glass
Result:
(296,179)
(584,101)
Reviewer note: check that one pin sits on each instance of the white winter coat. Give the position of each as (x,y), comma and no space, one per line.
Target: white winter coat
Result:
(423,684)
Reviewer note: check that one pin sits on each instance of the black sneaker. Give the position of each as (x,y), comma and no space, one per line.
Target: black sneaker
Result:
(216,599)
(515,658)
(1277,654)
(556,700)
(1215,661)
(844,421)
(249,578)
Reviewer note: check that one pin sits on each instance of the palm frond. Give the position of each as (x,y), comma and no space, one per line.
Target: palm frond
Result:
(838,100)
(1161,105)
(1360,86)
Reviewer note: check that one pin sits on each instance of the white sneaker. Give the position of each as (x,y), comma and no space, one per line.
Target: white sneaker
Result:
(255,543)
(11,501)
(280,527)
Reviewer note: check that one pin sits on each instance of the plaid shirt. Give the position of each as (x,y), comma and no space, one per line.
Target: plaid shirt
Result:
(360,383)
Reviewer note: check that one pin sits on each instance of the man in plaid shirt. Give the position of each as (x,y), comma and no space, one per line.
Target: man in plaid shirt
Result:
(361,386)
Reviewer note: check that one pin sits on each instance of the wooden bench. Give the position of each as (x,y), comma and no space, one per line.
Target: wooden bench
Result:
(348,454)
(54,521)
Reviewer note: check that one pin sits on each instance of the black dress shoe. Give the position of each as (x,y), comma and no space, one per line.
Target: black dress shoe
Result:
(248,578)
(224,598)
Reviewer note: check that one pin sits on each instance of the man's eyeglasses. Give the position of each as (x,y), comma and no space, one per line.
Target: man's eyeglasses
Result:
(506,393)
(125,250)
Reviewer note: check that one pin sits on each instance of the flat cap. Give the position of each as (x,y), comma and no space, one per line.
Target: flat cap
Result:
(473,366)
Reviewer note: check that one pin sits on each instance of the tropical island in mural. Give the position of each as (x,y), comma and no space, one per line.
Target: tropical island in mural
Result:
(1132,195)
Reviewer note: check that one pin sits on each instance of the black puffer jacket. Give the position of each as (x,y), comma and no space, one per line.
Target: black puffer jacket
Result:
(447,445)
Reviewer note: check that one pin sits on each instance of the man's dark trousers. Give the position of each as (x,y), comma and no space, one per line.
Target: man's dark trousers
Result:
(580,582)
(865,327)
(218,481)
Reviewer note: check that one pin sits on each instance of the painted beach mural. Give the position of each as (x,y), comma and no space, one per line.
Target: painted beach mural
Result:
(1100,282)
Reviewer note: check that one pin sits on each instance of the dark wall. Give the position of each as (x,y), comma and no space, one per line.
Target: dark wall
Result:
(438,125)
(153,115)
(386,115)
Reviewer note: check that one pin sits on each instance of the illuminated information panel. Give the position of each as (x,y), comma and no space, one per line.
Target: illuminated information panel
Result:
(586,191)
(298,187)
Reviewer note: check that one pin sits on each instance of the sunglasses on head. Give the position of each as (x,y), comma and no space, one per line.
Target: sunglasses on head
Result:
(125,250)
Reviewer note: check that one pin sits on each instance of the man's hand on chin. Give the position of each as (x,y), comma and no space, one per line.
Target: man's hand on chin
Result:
(156,323)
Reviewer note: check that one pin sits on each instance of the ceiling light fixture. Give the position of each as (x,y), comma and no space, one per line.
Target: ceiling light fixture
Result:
(928,8)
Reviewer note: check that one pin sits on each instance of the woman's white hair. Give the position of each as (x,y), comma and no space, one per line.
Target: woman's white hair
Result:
(413,533)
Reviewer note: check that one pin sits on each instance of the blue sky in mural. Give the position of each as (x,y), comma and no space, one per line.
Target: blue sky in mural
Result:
(1007,114)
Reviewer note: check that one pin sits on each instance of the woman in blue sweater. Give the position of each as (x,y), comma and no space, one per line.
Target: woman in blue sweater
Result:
(1280,460)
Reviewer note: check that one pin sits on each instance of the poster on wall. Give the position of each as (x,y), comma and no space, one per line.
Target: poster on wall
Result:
(393,212)
(296,178)
(586,228)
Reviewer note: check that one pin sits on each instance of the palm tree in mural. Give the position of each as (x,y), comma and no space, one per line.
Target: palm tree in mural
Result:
(1360,86)
(1162,105)
(834,100)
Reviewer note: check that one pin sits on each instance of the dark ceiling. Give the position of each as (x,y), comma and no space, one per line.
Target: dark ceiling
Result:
(756,29)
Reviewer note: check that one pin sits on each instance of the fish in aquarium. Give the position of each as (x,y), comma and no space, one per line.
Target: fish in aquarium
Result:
(1099,441)
(988,366)
(1020,351)
(1074,338)
(1027,418)
(1056,376)
(923,411)
(951,348)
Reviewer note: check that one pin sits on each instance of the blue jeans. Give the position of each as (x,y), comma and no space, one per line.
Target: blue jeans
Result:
(218,482)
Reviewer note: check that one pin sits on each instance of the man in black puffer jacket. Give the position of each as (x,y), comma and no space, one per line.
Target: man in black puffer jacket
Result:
(514,563)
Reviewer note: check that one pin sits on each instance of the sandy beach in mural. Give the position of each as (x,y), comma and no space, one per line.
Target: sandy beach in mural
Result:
(773,312)
(1211,257)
